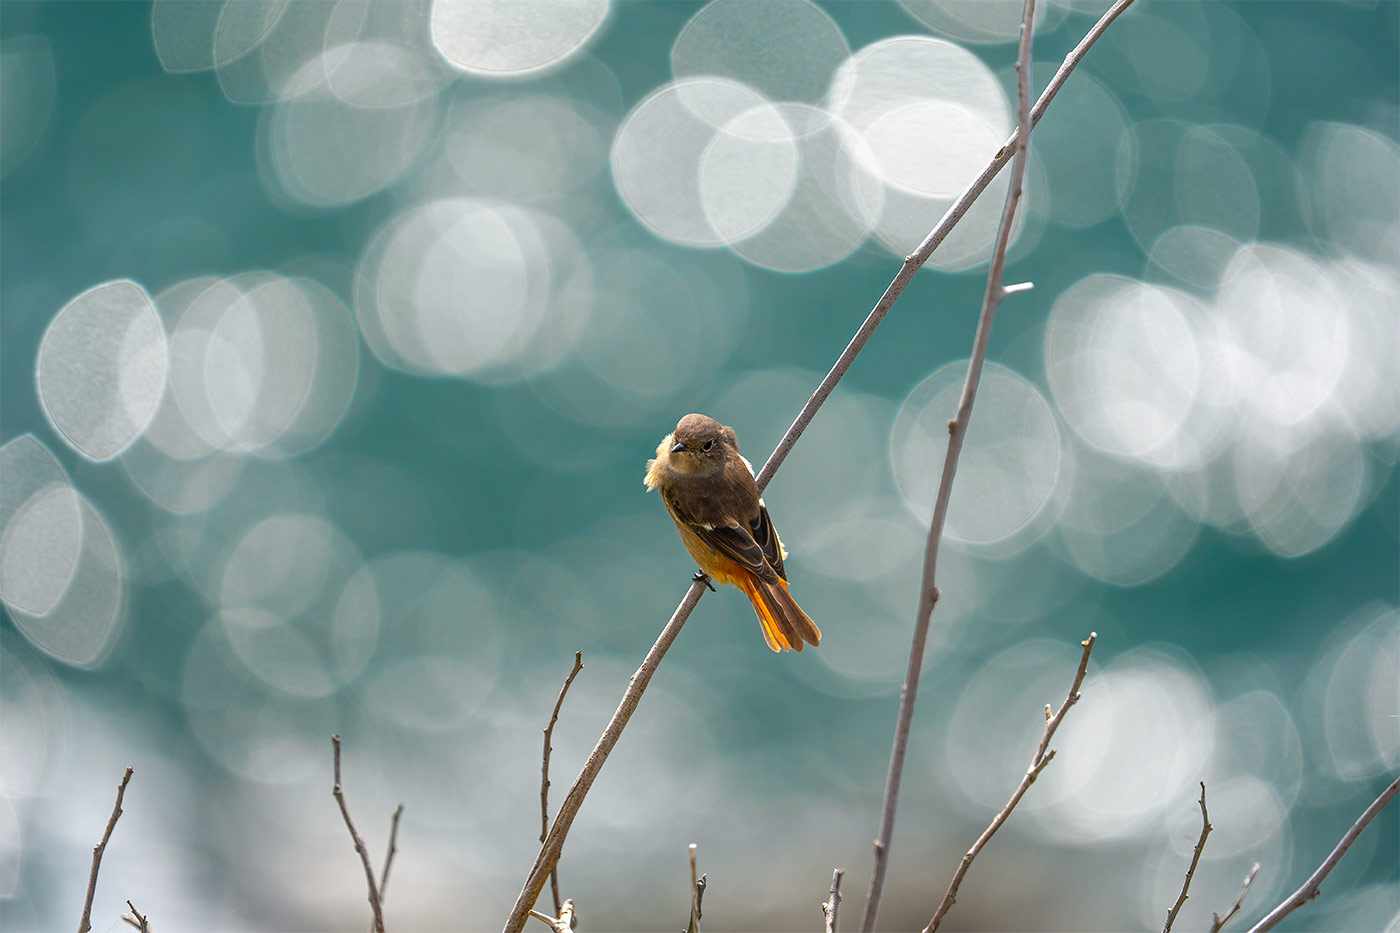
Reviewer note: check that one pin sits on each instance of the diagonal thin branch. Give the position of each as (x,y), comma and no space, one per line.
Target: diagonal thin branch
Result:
(389,854)
(1217,922)
(1043,756)
(1195,860)
(544,776)
(358,841)
(915,260)
(957,431)
(554,843)
(85,924)
(1313,886)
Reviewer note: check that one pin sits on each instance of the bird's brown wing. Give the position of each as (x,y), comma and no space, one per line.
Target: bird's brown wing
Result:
(766,537)
(731,538)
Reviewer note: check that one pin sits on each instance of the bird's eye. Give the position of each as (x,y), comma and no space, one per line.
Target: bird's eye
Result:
(708,445)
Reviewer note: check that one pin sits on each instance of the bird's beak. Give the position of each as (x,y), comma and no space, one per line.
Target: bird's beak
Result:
(678,448)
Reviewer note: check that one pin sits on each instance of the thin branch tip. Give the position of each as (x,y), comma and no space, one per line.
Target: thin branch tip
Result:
(85,923)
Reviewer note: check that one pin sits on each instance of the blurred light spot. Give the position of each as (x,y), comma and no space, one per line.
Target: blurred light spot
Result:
(1366,907)
(261,737)
(1255,737)
(1196,255)
(511,38)
(40,549)
(1009,463)
(461,287)
(194,35)
(1116,523)
(102,368)
(1131,752)
(1367,390)
(34,708)
(279,586)
(1172,173)
(11,847)
(203,540)
(524,148)
(784,49)
(70,572)
(1123,363)
(27,75)
(1169,52)
(349,122)
(932,112)
(704,150)
(259,364)
(444,656)
(865,542)
(748,173)
(1299,489)
(1079,148)
(983,20)
(1290,333)
(834,202)
(1354,182)
(1361,697)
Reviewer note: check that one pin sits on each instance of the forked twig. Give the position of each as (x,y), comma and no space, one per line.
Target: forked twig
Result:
(137,919)
(1043,755)
(1313,886)
(85,924)
(544,776)
(358,841)
(1195,860)
(1217,922)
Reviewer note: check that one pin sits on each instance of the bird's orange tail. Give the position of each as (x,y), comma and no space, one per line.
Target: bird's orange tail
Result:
(784,623)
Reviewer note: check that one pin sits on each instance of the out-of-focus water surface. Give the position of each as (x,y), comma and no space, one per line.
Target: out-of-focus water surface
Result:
(336,335)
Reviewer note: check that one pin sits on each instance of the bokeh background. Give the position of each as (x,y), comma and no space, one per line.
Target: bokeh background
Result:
(336,334)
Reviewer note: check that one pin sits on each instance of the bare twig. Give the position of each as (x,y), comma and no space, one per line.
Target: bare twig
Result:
(544,776)
(957,431)
(1195,860)
(697,891)
(554,843)
(137,919)
(1217,922)
(389,854)
(358,841)
(1043,756)
(85,924)
(564,923)
(1313,886)
(833,902)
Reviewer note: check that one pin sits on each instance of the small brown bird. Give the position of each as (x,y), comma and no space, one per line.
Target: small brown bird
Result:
(709,489)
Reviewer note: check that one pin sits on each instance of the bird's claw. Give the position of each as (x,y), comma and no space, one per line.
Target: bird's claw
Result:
(701,576)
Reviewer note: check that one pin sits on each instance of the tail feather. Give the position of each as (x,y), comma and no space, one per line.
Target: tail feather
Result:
(784,624)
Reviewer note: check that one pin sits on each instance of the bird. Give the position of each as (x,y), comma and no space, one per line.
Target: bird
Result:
(710,491)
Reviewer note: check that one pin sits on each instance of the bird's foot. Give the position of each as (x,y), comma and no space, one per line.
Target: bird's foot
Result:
(701,576)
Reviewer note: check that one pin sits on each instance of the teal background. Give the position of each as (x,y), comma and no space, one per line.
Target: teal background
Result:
(546,543)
